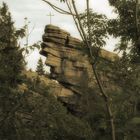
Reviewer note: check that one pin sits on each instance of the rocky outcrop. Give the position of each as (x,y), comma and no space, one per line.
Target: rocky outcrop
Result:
(54,87)
(69,63)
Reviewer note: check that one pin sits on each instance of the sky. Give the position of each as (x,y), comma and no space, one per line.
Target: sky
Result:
(36,11)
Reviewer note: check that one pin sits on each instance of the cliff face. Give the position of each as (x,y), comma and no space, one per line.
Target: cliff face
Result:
(69,64)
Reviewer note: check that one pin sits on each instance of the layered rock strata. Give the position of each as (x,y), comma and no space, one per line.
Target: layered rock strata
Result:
(69,64)
(72,74)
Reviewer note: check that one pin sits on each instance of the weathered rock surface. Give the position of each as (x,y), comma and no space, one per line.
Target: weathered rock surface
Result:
(69,64)
(55,88)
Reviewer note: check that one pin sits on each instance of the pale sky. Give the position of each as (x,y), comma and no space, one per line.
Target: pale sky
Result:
(36,11)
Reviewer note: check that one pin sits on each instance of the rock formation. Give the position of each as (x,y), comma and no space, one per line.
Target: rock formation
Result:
(72,73)
(69,63)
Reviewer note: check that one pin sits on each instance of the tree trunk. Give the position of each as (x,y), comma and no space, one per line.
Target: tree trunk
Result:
(105,97)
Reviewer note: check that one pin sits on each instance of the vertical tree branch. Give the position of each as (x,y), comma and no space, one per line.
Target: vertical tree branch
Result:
(106,99)
(69,7)
(88,23)
(136,18)
(104,95)
(137,26)
(82,30)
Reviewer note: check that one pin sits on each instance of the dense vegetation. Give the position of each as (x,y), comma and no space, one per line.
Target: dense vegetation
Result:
(29,112)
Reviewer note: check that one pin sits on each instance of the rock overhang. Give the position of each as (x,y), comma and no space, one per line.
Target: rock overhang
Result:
(69,63)
(65,56)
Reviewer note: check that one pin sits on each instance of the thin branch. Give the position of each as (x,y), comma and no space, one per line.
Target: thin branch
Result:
(74,18)
(136,16)
(137,26)
(88,22)
(105,97)
(61,11)
(82,30)
(31,30)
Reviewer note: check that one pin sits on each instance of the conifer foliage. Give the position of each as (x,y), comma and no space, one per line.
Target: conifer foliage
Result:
(40,68)
(11,65)
(11,60)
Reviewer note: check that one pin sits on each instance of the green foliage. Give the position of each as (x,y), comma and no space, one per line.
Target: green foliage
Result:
(126,27)
(11,60)
(40,67)
(135,120)
(41,116)
(93,107)
(127,68)
(35,114)
(11,65)
(126,102)
(28,49)
(98,26)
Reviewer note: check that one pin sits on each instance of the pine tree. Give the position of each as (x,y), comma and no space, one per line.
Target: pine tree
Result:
(11,59)
(11,65)
(40,69)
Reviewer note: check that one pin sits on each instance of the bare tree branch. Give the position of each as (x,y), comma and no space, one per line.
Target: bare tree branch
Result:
(82,30)
(74,18)
(61,11)
(104,95)
(88,22)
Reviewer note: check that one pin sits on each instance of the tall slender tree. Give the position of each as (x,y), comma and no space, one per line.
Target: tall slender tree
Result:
(11,59)
(11,65)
